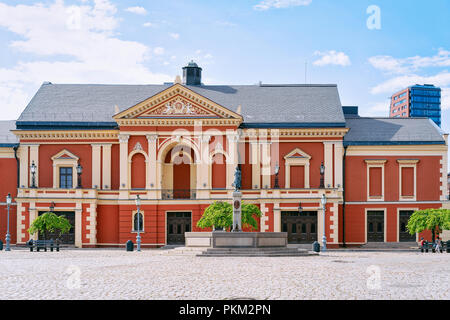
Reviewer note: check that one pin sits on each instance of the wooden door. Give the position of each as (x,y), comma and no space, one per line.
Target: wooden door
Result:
(177,224)
(375,226)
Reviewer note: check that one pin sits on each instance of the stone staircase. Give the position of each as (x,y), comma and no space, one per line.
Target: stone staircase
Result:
(255,252)
(385,246)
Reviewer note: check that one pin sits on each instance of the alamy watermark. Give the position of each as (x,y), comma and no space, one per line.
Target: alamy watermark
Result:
(374,280)
(374,19)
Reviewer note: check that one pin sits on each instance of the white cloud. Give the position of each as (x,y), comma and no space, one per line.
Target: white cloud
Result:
(331,57)
(390,64)
(278,4)
(137,10)
(158,51)
(390,86)
(149,24)
(175,36)
(376,109)
(80,43)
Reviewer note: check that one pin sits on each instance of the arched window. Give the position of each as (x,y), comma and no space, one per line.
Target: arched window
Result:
(138,222)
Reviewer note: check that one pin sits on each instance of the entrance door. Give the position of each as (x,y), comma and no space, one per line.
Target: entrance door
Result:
(177,224)
(404,235)
(182,181)
(301,227)
(68,238)
(375,226)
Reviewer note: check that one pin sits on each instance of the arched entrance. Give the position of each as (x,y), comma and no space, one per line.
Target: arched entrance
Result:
(179,173)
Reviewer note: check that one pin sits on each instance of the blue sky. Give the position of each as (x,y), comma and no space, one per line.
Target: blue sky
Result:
(235,41)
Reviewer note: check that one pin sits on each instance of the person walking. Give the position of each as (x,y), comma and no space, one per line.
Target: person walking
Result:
(438,245)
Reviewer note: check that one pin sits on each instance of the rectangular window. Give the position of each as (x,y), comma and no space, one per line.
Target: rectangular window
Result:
(375,182)
(65,178)
(407,182)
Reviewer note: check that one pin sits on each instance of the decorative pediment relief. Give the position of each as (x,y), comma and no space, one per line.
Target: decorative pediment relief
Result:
(178,107)
(177,103)
(65,155)
(297,154)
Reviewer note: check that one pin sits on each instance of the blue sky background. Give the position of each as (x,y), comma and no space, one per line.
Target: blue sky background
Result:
(235,41)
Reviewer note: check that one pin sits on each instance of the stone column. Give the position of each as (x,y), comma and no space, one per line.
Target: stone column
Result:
(338,164)
(96,166)
(203,165)
(328,163)
(24,167)
(152,166)
(106,166)
(256,164)
(266,164)
(123,139)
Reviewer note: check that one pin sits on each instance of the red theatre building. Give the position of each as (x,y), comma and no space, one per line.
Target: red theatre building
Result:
(177,146)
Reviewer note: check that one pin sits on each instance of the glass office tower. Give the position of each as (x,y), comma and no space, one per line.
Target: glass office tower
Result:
(417,101)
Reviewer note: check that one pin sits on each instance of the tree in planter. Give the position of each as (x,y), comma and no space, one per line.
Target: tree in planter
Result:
(49,223)
(435,220)
(220,215)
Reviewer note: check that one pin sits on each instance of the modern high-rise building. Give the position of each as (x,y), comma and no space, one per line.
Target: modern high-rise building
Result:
(417,101)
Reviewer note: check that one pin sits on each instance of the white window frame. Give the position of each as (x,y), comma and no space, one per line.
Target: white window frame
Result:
(407,163)
(379,163)
(143,221)
(60,162)
(291,160)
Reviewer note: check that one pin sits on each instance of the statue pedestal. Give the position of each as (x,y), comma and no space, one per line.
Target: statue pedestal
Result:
(237,211)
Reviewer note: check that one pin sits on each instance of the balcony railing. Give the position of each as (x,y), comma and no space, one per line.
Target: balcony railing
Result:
(178,194)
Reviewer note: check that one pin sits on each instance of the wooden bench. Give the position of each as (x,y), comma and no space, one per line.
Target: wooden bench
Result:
(43,244)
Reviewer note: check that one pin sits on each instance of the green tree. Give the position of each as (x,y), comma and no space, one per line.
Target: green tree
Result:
(220,215)
(50,223)
(435,220)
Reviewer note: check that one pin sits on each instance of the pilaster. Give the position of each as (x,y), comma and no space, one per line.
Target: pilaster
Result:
(123,139)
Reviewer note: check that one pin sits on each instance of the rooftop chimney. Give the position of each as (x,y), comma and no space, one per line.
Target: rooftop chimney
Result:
(192,74)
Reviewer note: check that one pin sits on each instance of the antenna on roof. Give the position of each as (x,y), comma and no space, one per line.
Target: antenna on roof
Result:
(306,69)
(116,109)
(239,109)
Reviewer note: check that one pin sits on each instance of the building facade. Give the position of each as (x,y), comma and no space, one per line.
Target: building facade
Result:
(87,151)
(416,102)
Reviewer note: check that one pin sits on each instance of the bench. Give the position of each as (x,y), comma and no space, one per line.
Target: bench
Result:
(431,245)
(43,244)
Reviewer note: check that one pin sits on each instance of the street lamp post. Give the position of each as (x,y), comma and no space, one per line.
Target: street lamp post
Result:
(138,237)
(33,175)
(277,171)
(8,236)
(79,172)
(324,238)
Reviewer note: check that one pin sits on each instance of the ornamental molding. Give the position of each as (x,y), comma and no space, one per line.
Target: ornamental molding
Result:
(60,135)
(138,147)
(177,122)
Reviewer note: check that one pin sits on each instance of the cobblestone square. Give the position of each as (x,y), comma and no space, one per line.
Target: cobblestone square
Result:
(161,274)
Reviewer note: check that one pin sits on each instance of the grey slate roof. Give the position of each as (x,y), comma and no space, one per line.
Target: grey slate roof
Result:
(307,104)
(7,138)
(385,131)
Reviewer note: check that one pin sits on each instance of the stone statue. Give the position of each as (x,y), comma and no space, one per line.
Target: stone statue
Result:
(237,179)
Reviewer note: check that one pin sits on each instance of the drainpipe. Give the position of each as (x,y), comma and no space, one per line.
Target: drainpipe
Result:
(18,166)
(343,196)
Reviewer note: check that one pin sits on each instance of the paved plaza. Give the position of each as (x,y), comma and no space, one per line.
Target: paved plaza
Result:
(163,274)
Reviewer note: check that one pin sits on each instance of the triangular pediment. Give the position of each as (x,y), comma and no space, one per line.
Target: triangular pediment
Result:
(65,155)
(177,102)
(297,154)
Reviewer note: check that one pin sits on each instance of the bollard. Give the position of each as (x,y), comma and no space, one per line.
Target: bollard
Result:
(316,247)
(425,244)
(448,246)
(130,246)
(1,245)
